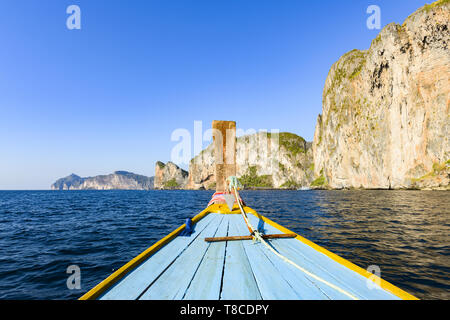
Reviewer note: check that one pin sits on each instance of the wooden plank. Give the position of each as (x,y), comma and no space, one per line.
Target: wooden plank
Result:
(262,226)
(239,283)
(271,282)
(174,281)
(240,238)
(326,268)
(132,285)
(208,279)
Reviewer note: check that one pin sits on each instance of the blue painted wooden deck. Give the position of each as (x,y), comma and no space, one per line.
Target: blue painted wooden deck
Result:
(190,268)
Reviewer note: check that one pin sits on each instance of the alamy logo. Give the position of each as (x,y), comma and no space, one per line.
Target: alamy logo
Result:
(74,280)
(374,21)
(262,147)
(74,20)
(374,281)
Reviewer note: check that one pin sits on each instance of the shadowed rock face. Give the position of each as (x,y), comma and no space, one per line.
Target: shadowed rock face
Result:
(169,176)
(385,120)
(119,180)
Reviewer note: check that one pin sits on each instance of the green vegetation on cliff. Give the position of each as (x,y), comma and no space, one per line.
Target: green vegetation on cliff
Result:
(252,180)
(427,8)
(431,6)
(290,185)
(293,143)
(160,164)
(171,184)
(320,182)
(438,169)
(435,4)
(348,68)
(212,186)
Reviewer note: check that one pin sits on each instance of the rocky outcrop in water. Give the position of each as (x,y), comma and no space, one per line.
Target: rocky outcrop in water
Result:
(119,180)
(169,176)
(385,121)
(290,166)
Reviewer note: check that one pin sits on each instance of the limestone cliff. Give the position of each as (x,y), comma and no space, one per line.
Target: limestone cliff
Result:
(169,176)
(257,167)
(385,120)
(119,180)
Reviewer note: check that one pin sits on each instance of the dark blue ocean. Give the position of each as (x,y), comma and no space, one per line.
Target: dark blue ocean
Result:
(405,233)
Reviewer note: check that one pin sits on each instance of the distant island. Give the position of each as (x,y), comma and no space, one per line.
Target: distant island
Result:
(119,180)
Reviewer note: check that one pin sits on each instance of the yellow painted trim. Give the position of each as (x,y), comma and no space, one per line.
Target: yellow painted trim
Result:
(383,284)
(99,289)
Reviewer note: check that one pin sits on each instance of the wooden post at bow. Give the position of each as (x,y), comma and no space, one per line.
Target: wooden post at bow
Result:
(224,137)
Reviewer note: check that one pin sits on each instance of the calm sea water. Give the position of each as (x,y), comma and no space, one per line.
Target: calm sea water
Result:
(406,233)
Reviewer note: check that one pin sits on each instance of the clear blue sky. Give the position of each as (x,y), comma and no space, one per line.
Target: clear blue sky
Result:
(107,97)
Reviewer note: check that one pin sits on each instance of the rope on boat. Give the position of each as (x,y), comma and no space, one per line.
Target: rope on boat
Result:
(257,236)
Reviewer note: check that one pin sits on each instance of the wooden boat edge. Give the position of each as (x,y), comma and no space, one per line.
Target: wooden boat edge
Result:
(100,288)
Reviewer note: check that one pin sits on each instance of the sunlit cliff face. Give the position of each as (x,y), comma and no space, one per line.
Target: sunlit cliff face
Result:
(385,121)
